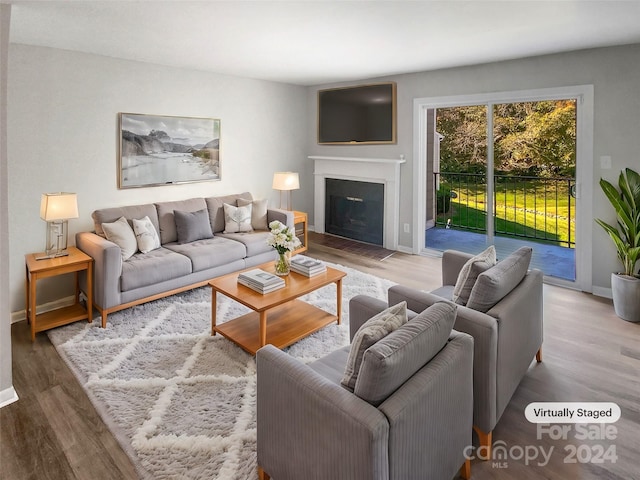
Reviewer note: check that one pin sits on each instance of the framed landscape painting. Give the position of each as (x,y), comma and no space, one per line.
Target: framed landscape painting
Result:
(165,150)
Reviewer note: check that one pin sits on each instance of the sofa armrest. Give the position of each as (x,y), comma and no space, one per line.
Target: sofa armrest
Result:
(520,334)
(283,216)
(361,309)
(440,397)
(484,330)
(299,413)
(452,262)
(107,268)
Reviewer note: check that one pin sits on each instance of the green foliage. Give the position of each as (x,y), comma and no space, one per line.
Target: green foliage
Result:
(464,146)
(530,138)
(443,199)
(626,203)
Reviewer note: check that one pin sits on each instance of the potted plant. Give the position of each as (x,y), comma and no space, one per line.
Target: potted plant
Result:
(625,285)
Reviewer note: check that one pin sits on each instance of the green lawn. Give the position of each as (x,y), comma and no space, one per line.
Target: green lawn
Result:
(531,209)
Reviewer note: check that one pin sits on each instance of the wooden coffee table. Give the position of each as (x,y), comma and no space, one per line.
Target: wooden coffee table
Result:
(278,318)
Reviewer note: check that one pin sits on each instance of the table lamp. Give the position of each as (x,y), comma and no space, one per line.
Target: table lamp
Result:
(285,182)
(56,209)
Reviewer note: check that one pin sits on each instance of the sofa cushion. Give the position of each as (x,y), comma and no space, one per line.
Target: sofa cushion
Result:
(446,292)
(209,253)
(398,356)
(154,267)
(374,329)
(166,218)
(469,274)
(254,242)
(259,210)
(215,205)
(192,226)
(120,233)
(237,219)
(109,215)
(146,234)
(331,366)
(497,282)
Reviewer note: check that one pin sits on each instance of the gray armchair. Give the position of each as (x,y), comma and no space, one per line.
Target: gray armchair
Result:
(311,427)
(506,336)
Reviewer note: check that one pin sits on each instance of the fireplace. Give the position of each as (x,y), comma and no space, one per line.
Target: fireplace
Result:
(355,210)
(384,172)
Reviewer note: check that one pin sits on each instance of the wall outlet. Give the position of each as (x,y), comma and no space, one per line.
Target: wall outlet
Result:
(407,229)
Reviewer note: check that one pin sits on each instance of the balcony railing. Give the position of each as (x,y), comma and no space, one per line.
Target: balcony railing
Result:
(539,208)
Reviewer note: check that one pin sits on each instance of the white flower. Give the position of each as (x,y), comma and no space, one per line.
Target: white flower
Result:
(282,238)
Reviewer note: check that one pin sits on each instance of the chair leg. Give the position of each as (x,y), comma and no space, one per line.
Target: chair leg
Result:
(485,443)
(262,475)
(465,470)
(539,355)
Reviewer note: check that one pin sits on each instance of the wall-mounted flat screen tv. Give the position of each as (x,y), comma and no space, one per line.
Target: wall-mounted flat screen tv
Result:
(356,115)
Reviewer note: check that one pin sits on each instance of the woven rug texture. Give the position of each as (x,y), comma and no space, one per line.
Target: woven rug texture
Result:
(179,401)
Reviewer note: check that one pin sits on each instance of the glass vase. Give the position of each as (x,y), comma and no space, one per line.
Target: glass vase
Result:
(283,264)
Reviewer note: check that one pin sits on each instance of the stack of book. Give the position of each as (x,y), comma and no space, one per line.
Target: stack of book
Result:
(307,266)
(260,281)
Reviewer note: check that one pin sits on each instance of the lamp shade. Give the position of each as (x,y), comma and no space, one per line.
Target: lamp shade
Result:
(286,181)
(58,206)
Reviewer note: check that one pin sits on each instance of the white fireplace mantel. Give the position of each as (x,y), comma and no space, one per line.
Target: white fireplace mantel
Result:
(375,170)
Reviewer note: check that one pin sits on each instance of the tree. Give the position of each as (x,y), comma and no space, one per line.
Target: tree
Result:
(530,138)
(464,146)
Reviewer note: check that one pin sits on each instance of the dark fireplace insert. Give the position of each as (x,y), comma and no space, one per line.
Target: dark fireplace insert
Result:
(354,210)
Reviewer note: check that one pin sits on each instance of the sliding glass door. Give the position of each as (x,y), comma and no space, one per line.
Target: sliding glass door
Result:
(519,188)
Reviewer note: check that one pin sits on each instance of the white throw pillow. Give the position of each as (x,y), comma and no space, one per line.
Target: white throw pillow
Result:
(237,219)
(374,329)
(258,212)
(120,233)
(146,235)
(469,274)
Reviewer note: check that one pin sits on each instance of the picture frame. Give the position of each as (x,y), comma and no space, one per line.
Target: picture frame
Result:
(159,150)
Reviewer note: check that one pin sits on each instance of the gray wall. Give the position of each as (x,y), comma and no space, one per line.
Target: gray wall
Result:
(615,74)
(6,388)
(62,136)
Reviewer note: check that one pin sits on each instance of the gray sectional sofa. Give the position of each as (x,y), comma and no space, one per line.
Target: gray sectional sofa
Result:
(174,266)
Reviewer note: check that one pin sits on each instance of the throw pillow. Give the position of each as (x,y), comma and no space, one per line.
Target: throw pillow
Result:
(369,333)
(398,356)
(497,282)
(469,274)
(237,219)
(258,212)
(146,234)
(192,226)
(120,233)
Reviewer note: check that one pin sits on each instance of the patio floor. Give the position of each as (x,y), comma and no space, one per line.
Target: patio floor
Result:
(554,261)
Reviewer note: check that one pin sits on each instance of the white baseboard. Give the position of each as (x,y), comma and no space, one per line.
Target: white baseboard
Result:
(45,307)
(7,396)
(403,249)
(602,292)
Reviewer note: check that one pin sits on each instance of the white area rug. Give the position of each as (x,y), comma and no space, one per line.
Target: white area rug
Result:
(181,402)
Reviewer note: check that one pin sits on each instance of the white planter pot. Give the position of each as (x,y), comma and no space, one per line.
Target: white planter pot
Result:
(626,297)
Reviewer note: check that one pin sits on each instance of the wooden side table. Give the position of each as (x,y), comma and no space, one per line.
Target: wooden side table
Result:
(77,261)
(300,218)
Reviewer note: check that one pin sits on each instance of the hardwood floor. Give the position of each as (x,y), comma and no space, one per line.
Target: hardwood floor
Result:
(589,355)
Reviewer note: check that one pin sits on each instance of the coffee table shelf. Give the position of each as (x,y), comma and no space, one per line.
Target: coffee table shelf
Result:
(287,324)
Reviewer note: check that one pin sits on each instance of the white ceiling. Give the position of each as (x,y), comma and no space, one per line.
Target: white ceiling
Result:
(314,42)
